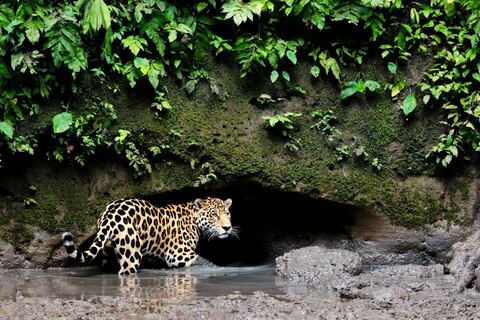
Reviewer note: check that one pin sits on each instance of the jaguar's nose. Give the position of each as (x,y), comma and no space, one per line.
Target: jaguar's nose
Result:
(227,228)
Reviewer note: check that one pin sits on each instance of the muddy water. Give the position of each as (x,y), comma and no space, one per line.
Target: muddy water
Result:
(87,282)
(396,292)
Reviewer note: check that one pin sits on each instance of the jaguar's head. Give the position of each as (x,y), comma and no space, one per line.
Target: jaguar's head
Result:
(214,217)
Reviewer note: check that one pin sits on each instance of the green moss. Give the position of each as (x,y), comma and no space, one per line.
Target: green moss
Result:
(464,189)
(415,208)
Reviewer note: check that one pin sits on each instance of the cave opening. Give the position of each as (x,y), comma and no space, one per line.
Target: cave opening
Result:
(271,222)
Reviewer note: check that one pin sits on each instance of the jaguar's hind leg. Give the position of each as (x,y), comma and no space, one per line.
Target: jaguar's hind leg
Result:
(128,255)
(108,253)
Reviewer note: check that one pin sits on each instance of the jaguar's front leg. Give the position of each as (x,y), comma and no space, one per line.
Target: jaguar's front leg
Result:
(182,259)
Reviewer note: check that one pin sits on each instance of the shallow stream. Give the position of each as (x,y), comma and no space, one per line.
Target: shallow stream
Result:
(198,281)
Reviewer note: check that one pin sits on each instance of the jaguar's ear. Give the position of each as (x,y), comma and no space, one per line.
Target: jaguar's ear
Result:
(228,203)
(199,203)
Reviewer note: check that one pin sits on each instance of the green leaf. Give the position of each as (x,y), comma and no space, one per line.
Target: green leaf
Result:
(62,122)
(453,150)
(291,56)
(361,85)
(401,40)
(153,77)
(273,59)
(142,64)
(155,70)
(315,71)
(446,161)
(318,19)
(272,121)
(392,67)
(16,60)
(349,90)
(106,19)
(172,35)
(134,44)
(240,11)
(274,76)
(286,75)
(96,15)
(426,99)
(7,129)
(201,6)
(17,111)
(372,85)
(166,104)
(450,9)
(183,28)
(32,32)
(398,86)
(409,104)
(122,135)
(335,69)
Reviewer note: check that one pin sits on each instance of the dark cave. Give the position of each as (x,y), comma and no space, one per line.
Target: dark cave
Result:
(271,222)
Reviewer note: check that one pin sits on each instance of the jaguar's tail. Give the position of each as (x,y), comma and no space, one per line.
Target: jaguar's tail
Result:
(88,255)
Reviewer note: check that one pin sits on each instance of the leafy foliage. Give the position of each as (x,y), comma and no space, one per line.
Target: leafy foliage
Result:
(240,11)
(205,174)
(46,46)
(343,152)
(281,122)
(325,121)
(354,87)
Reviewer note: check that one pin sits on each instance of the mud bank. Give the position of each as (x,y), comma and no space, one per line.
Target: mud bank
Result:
(309,283)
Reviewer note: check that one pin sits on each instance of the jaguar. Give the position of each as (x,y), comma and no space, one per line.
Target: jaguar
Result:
(137,230)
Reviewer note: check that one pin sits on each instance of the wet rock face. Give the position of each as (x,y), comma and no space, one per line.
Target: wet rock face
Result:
(343,271)
(465,262)
(462,252)
(44,251)
(380,243)
(9,259)
(315,265)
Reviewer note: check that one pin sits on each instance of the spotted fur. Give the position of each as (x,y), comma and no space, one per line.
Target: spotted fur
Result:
(136,229)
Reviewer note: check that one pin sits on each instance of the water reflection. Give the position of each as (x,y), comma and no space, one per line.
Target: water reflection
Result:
(190,283)
(176,286)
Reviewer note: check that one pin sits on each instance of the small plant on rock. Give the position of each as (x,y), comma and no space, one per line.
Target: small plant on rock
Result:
(206,173)
(325,121)
(293,146)
(138,160)
(446,149)
(161,103)
(361,154)
(281,122)
(343,152)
